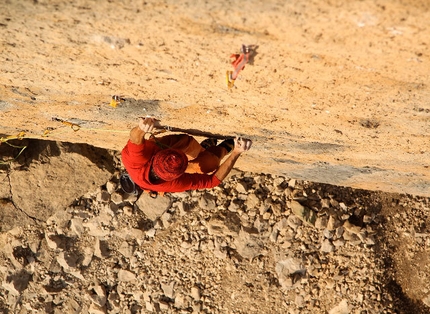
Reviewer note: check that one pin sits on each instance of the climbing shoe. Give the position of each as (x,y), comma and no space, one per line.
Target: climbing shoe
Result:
(209,142)
(127,185)
(228,144)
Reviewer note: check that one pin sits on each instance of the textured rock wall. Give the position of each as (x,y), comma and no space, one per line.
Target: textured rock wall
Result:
(337,92)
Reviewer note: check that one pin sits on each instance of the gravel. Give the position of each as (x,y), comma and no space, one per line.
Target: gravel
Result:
(256,244)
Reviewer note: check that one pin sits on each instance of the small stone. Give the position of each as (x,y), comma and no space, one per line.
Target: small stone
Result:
(76,226)
(277,209)
(88,256)
(55,241)
(234,206)
(129,198)
(307,215)
(252,201)
(294,222)
(95,309)
(339,243)
(179,301)
(330,284)
(339,232)
(151,232)
(334,203)
(113,207)
(292,183)
(224,224)
(351,228)
(345,216)
(153,208)
(195,293)
(241,187)
(282,224)
(127,210)
(341,308)
(249,246)
(163,306)
(17,282)
(67,260)
(94,228)
(114,300)
(426,300)
(325,203)
(197,307)
(299,301)
(328,234)
(125,275)
(99,295)
(285,268)
(288,191)
(321,222)
(362,235)
(370,240)
(267,215)
(101,249)
(126,250)
(103,197)
(165,219)
(279,181)
(168,290)
(111,187)
(116,198)
(207,202)
(274,235)
(367,219)
(326,246)
(333,223)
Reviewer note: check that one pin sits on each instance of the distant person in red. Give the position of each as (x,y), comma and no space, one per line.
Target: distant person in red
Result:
(176,163)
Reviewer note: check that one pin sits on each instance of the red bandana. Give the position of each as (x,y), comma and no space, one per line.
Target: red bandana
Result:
(169,164)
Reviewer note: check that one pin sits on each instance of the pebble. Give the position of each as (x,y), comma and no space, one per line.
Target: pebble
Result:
(76,226)
(332,223)
(111,187)
(252,201)
(195,293)
(117,198)
(103,196)
(241,187)
(326,246)
(341,308)
(125,275)
(321,222)
(305,214)
(168,289)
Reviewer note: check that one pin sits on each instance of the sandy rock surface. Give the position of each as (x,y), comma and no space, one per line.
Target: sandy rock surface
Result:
(337,92)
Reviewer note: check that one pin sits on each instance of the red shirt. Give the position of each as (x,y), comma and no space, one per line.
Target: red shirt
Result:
(137,162)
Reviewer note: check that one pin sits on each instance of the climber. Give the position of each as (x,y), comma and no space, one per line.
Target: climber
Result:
(177,162)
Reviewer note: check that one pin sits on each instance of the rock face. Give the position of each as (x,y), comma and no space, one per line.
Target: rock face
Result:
(246,246)
(53,175)
(337,93)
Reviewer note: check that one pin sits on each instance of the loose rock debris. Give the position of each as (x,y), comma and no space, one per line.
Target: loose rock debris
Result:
(256,244)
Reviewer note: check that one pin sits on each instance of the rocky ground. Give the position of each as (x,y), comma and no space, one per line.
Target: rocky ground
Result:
(337,93)
(256,244)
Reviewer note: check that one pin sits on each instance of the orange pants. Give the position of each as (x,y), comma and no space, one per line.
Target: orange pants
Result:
(200,160)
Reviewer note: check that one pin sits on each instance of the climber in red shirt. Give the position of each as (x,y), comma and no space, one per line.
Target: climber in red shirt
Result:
(176,163)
